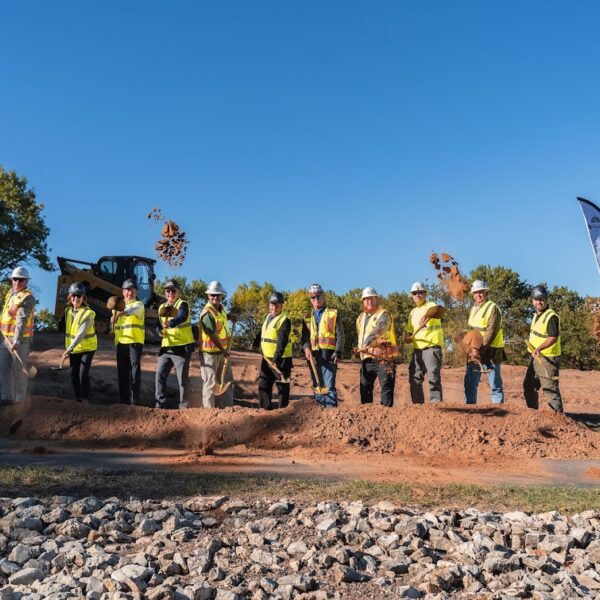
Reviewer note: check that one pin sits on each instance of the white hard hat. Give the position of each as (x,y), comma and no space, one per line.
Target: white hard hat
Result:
(479,286)
(215,287)
(20,273)
(315,288)
(417,286)
(369,292)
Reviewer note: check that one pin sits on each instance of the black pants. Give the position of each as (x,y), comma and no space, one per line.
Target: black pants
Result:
(267,378)
(80,373)
(129,369)
(371,370)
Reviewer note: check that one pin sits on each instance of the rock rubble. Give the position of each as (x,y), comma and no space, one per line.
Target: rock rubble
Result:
(216,548)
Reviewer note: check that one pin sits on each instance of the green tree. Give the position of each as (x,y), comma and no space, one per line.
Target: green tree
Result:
(23,232)
(45,320)
(297,304)
(400,304)
(349,306)
(249,305)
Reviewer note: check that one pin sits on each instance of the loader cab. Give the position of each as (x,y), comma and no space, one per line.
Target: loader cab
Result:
(116,269)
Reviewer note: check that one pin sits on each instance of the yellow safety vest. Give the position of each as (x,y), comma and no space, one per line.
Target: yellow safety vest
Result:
(130,329)
(222,332)
(8,320)
(539,333)
(268,336)
(478,319)
(324,337)
(388,336)
(179,335)
(432,334)
(89,343)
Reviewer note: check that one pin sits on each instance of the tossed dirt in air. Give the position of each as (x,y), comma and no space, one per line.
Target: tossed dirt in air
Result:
(172,246)
(449,275)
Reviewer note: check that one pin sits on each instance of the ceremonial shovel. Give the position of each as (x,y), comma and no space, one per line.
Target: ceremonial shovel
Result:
(539,359)
(30,372)
(321,388)
(60,366)
(221,388)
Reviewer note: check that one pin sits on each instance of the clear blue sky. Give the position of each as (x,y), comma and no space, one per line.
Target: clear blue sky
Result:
(337,141)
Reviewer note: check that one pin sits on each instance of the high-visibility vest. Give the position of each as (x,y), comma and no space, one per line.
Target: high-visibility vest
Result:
(89,343)
(539,333)
(130,329)
(8,320)
(179,335)
(322,337)
(478,319)
(268,336)
(222,332)
(388,336)
(432,334)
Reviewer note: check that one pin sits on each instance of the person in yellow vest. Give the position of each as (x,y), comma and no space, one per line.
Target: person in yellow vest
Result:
(215,343)
(276,349)
(81,341)
(322,339)
(544,345)
(427,338)
(486,318)
(130,334)
(374,326)
(16,326)
(176,348)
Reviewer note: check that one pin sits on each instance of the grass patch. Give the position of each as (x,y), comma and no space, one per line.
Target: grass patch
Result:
(45,481)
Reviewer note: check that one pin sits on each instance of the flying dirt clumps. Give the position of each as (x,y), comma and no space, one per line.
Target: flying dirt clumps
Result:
(172,247)
(448,273)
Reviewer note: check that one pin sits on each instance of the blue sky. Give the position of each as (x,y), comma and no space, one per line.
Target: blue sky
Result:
(338,142)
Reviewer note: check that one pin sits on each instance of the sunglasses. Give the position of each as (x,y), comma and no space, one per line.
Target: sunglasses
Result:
(170,291)
(417,293)
(316,297)
(76,295)
(18,279)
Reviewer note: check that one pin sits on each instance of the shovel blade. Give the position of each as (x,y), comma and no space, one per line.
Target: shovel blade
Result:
(31,372)
(219,389)
(321,390)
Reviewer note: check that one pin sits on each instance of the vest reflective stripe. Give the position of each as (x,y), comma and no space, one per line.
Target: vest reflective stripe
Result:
(8,320)
(179,335)
(130,329)
(478,319)
(268,337)
(388,336)
(539,333)
(324,338)
(432,334)
(89,343)
(220,317)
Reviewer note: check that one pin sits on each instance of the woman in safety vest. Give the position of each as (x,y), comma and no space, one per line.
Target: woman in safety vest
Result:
(81,341)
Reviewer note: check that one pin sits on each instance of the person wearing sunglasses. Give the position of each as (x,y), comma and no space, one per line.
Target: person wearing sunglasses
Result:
(322,340)
(81,341)
(177,346)
(16,326)
(130,334)
(427,338)
(215,343)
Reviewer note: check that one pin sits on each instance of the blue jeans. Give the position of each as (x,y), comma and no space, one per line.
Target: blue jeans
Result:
(328,372)
(472,377)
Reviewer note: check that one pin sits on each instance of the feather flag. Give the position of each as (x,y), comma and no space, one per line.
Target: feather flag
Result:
(591,214)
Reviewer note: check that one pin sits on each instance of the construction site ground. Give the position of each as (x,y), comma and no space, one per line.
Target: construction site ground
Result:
(483,444)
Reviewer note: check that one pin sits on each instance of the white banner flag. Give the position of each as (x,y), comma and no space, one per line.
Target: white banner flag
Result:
(591,214)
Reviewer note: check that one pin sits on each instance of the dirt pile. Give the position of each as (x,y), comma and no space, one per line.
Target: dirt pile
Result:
(172,247)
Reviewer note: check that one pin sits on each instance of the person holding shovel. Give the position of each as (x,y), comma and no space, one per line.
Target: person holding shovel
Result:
(322,341)
(16,326)
(130,334)
(81,341)
(375,328)
(215,340)
(276,350)
(424,331)
(486,318)
(544,345)
(177,346)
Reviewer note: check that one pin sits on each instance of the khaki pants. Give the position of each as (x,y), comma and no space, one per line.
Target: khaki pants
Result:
(13,381)
(543,376)
(211,371)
